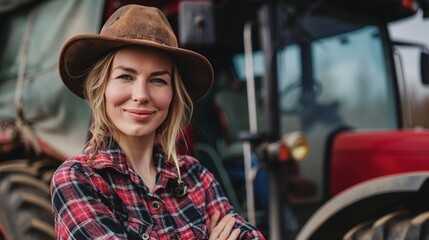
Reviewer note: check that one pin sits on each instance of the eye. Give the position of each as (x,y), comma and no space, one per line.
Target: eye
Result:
(124,76)
(159,81)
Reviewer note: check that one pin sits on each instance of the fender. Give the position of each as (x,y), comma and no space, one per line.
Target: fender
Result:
(358,156)
(367,200)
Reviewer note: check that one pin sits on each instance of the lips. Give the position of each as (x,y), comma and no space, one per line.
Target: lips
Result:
(139,115)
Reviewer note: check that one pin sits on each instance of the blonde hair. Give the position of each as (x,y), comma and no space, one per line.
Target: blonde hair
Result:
(95,84)
(179,114)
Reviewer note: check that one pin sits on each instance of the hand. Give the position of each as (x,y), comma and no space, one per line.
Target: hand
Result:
(221,230)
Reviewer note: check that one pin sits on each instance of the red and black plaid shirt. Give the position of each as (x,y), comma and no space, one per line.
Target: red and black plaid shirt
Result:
(108,200)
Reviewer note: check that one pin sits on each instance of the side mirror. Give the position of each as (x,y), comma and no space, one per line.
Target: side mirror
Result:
(424,65)
(196,23)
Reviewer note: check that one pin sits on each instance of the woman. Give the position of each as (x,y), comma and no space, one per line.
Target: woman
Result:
(129,183)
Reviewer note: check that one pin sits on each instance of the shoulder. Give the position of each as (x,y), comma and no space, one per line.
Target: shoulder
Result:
(192,168)
(75,167)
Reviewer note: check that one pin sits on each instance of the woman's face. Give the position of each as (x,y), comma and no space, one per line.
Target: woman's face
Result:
(139,91)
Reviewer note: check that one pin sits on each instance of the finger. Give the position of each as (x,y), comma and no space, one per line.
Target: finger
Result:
(234,235)
(214,234)
(227,229)
(214,219)
(221,225)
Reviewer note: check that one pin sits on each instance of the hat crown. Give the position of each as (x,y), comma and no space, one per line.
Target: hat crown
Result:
(142,23)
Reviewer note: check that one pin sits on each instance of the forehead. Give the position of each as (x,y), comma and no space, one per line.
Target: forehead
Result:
(135,56)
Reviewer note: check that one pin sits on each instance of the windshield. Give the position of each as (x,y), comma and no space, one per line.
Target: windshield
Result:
(349,85)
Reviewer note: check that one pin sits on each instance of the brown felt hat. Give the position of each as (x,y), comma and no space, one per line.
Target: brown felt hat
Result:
(133,25)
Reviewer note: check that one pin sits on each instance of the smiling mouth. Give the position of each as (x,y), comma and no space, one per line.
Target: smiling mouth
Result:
(139,115)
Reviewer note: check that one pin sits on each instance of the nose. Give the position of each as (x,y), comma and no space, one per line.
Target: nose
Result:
(140,93)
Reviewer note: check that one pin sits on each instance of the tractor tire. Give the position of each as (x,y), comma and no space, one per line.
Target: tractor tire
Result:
(25,206)
(399,225)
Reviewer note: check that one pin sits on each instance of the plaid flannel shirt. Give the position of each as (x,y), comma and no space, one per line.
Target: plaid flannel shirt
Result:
(108,200)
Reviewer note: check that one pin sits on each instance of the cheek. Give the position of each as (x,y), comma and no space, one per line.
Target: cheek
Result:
(164,99)
(113,96)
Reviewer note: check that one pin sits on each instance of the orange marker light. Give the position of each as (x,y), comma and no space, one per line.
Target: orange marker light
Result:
(283,153)
(408,4)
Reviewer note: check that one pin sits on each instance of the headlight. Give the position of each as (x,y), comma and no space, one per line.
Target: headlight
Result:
(298,145)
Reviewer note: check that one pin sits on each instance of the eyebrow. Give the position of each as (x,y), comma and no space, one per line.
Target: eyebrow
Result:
(163,72)
(132,70)
(126,69)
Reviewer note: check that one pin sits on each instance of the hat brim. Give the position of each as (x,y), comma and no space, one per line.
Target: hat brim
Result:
(81,52)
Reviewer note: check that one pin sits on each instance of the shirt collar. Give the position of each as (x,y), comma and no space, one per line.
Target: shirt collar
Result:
(112,156)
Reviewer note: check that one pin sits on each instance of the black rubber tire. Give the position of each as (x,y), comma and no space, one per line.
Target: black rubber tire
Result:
(25,206)
(399,225)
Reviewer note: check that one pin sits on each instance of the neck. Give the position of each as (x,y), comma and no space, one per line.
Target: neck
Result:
(139,152)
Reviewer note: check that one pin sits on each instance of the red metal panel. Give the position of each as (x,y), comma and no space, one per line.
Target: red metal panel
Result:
(359,156)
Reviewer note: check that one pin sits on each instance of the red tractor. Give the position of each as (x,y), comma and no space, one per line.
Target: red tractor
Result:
(320,81)
(329,108)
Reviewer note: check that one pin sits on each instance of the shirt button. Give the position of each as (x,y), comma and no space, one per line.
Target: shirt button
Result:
(156,205)
(145,236)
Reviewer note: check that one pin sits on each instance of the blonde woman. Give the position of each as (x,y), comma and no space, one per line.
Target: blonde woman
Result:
(129,183)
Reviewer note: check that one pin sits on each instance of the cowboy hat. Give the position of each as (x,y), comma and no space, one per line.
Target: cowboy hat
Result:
(133,25)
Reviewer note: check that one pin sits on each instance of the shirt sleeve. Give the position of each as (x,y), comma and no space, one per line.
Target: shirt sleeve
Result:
(79,211)
(217,200)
